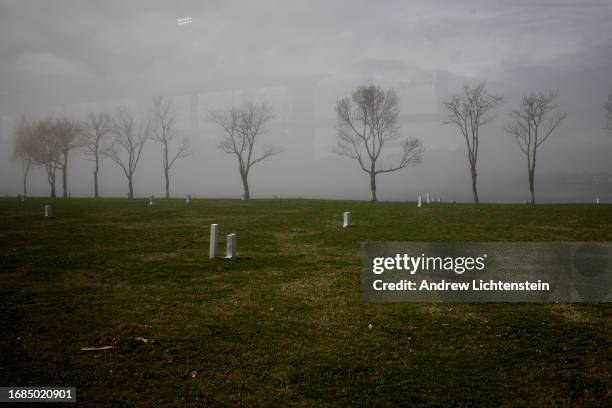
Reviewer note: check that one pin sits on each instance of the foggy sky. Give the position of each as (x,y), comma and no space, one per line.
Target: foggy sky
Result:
(68,57)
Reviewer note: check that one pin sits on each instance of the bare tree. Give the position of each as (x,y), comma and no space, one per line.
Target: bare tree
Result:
(164,116)
(96,128)
(366,122)
(46,150)
(532,123)
(67,133)
(242,127)
(24,148)
(468,112)
(126,143)
(608,108)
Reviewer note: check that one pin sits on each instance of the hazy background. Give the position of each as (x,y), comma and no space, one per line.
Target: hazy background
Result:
(70,57)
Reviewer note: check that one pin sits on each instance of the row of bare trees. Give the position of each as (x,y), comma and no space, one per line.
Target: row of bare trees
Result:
(120,137)
(531,124)
(367,124)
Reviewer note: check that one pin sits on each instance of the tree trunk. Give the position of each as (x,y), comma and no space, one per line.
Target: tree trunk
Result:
(166,170)
(166,173)
(245,186)
(131,194)
(25,182)
(52,185)
(25,165)
(474,188)
(532,184)
(65,176)
(95,174)
(373,186)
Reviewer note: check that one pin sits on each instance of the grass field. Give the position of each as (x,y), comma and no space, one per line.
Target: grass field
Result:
(283,325)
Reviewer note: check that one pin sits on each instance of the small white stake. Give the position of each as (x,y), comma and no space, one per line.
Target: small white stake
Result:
(427,199)
(419,201)
(231,246)
(49,212)
(597,200)
(347,220)
(188,199)
(214,234)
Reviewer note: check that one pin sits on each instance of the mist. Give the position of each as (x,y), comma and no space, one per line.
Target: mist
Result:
(71,58)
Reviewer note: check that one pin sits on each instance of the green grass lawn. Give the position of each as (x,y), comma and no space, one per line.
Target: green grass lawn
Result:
(283,325)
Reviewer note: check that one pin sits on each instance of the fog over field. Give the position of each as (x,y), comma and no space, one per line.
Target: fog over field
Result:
(70,58)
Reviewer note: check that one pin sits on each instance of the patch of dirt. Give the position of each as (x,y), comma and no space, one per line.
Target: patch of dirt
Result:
(569,312)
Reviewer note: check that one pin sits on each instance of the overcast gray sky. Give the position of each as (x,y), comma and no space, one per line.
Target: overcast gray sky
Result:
(301,56)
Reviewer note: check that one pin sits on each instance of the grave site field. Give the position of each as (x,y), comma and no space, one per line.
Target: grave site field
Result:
(284,324)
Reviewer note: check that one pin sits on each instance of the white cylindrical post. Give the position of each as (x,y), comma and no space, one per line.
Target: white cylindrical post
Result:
(231,246)
(419,201)
(347,220)
(214,235)
(151,201)
(597,200)
(188,199)
(49,212)
(427,198)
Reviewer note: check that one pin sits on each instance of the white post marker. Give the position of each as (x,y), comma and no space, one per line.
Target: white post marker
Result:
(231,246)
(49,212)
(597,200)
(347,220)
(427,199)
(419,201)
(188,199)
(214,234)
(151,201)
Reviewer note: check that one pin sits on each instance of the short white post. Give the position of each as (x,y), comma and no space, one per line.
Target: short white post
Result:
(427,199)
(597,200)
(214,235)
(231,246)
(419,201)
(151,201)
(188,199)
(347,220)
(49,212)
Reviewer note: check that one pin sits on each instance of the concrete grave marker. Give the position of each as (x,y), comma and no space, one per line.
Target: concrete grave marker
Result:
(231,246)
(427,199)
(49,212)
(214,235)
(419,201)
(347,220)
